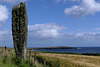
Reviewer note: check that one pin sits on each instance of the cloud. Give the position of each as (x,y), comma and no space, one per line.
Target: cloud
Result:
(42,34)
(72,0)
(38,33)
(89,36)
(64,1)
(66,39)
(46,30)
(51,34)
(13,1)
(36,39)
(97,29)
(86,7)
(4,14)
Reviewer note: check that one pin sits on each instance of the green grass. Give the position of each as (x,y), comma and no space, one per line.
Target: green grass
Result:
(8,59)
(7,65)
(53,59)
(57,52)
(89,54)
(12,61)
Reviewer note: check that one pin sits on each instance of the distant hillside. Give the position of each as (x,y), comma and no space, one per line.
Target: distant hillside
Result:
(54,48)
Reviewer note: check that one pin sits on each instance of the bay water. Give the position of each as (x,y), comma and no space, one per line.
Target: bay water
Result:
(78,50)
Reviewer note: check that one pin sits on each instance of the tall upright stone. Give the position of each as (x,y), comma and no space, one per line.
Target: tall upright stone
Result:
(19,29)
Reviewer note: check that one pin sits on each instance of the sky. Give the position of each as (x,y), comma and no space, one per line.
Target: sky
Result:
(74,23)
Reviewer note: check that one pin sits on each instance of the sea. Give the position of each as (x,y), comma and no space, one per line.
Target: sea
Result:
(78,50)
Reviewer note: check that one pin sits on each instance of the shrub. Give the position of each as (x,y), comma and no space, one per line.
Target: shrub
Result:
(4,60)
(40,59)
(29,62)
(91,54)
(16,60)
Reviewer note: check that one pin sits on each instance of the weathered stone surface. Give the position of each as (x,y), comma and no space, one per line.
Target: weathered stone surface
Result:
(19,29)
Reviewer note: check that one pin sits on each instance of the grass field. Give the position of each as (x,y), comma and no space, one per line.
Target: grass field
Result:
(69,60)
(8,59)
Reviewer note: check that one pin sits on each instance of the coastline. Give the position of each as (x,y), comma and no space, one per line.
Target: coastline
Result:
(53,48)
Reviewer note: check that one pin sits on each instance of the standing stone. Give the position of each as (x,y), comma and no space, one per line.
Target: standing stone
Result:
(19,29)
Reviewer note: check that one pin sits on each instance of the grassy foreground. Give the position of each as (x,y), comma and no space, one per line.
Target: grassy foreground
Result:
(8,59)
(44,59)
